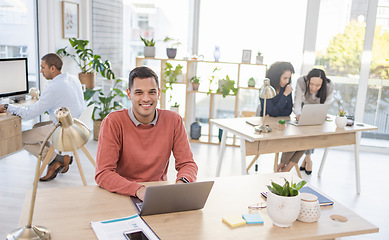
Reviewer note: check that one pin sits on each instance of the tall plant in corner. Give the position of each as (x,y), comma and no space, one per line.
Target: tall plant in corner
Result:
(88,62)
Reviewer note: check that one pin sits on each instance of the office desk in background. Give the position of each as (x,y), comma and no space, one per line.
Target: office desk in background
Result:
(11,131)
(293,138)
(67,212)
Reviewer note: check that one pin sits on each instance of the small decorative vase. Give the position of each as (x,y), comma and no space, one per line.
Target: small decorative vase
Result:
(195,131)
(216,53)
(259,60)
(34,92)
(310,208)
(340,121)
(283,210)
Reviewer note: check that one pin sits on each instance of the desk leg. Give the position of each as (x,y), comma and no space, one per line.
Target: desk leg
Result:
(357,167)
(221,153)
(243,156)
(323,160)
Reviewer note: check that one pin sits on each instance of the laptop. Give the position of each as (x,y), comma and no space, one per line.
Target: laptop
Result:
(173,198)
(312,114)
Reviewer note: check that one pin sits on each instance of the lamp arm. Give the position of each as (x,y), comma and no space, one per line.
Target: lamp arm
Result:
(264,111)
(37,170)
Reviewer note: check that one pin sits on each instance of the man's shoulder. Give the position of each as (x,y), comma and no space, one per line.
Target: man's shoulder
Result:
(167,114)
(119,114)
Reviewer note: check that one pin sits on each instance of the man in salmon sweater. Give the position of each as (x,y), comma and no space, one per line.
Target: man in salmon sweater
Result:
(135,144)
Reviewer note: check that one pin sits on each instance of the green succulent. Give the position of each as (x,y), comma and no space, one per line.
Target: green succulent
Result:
(288,189)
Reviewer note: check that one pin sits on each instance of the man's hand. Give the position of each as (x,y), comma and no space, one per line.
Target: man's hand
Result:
(288,90)
(2,108)
(141,193)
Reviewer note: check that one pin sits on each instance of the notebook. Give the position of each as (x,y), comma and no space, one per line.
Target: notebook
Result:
(173,198)
(323,201)
(312,114)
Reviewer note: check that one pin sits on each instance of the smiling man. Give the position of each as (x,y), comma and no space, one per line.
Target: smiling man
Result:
(135,144)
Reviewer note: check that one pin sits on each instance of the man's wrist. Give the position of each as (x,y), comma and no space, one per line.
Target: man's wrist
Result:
(184,180)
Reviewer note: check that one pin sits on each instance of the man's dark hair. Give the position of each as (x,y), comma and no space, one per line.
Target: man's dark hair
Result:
(53,59)
(275,72)
(141,72)
(322,93)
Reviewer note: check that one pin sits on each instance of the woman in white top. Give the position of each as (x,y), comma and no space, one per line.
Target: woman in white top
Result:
(314,88)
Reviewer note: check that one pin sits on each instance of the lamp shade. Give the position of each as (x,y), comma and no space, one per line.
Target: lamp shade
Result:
(267,91)
(71,134)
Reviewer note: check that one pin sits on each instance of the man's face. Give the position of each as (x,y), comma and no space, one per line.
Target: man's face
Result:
(144,95)
(46,71)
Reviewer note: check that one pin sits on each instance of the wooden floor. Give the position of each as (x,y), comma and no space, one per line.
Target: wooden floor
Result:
(337,181)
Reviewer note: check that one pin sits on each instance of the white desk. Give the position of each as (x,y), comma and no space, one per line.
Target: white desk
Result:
(293,138)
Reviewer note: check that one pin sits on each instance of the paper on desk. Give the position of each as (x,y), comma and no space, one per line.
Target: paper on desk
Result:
(113,229)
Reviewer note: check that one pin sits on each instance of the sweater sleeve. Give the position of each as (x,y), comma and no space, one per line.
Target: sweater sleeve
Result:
(299,96)
(282,107)
(108,152)
(185,164)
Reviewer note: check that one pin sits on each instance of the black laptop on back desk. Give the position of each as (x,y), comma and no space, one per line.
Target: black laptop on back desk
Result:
(173,198)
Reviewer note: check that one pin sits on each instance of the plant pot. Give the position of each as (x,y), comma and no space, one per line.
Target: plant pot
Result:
(88,79)
(283,210)
(96,129)
(221,84)
(259,60)
(195,86)
(251,82)
(171,52)
(175,109)
(340,121)
(149,51)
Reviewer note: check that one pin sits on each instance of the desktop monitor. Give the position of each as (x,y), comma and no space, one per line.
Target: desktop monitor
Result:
(13,77)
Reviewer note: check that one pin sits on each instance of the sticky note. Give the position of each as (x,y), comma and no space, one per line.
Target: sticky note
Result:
(253,218)
(234,221)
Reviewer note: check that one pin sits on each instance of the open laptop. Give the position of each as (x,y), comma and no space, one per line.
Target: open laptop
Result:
(312,114)
(173,198)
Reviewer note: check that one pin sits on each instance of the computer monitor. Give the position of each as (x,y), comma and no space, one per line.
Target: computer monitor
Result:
(13,77)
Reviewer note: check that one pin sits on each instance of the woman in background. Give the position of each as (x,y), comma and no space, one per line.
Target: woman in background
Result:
(280,74)
(314,88)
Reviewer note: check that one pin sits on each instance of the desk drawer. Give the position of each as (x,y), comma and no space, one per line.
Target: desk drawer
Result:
(10,128)
(10,145)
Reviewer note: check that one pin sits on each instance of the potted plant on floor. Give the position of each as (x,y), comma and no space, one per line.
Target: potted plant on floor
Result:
(171,51)
(283,202)
(104,104)
(149,48)
(341,119)
(195,83)
(88,62)
(226,86)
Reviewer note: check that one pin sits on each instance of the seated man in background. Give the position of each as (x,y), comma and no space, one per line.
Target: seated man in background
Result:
(63,90)
(135,144)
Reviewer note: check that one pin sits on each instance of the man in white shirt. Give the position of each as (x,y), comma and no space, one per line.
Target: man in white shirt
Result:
(63,90)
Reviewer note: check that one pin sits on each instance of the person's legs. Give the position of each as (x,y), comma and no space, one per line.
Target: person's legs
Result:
(285,160)
(308,161)
(293,161)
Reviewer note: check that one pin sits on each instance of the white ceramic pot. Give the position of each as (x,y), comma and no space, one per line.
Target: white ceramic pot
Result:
(340,121)
(283,210)
(175,109)
(149,51)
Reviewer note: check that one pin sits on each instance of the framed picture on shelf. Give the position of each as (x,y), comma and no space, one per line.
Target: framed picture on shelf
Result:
(246,56)
(70,18)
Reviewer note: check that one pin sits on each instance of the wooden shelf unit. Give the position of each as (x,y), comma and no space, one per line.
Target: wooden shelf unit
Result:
(191,69)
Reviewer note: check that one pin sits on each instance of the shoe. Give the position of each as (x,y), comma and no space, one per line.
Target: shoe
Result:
(308,172)
(302,168)
(52,172)
(67,160)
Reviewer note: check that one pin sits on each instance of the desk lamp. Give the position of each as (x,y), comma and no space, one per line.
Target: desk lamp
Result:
(266,92)
(68,134)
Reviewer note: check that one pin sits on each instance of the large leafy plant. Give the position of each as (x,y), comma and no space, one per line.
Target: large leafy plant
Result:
(288,189)
(171,74)
(87,61)
(106,103)
(229,85)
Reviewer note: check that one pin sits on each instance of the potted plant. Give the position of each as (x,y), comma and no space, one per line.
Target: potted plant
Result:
(195,83)
(171,51)
(149,48)
(88,62)
(281,124)
(175,107)
(104,104)
(259,58)
(251,82)
(341,119)
(227,85)
(212,79)
(171,75)
(283,202)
